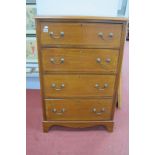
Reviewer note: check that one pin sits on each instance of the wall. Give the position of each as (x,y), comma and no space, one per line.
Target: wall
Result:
(78,7)
(127,10)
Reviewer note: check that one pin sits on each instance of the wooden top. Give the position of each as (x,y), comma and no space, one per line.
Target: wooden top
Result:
(80,18)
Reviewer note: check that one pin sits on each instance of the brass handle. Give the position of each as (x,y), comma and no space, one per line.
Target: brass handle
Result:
(111,35)
(100,112)
(58,88)
(98,60)
(101,35)
(108,60)
(62,60)
(97,86)
(54,110)
(56,36)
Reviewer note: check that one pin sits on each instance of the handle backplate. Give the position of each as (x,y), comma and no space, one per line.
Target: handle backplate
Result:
(54,61)
(101,61)
(56,36)
(101,35)
(98,112)
(54,86)
(97,86)
(54,110)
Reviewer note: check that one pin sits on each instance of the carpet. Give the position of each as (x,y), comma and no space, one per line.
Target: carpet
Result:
(87,141)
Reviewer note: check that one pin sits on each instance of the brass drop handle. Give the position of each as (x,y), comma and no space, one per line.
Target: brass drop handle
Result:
(101,35)
(111,35)
(56,36)
(61,61)
(99,60)
(97,86)
(98,112)
(108,60)
(53,85)
(54,110)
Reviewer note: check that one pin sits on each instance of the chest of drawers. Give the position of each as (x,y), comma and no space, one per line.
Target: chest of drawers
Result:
(79,64)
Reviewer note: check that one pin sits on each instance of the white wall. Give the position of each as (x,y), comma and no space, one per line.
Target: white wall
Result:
(78,7)
(127,10)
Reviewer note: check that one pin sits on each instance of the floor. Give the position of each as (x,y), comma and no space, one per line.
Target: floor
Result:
(89,141)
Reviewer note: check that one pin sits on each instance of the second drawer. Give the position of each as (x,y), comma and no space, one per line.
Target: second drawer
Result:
(85,60)
(78,85)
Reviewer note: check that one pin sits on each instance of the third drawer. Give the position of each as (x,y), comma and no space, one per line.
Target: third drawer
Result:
(59,85)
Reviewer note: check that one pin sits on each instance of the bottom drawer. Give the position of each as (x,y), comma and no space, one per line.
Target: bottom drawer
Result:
(78,109)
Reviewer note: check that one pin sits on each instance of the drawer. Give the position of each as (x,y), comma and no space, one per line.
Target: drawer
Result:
(78,85)
(86,60)
(78,109)
(88,34)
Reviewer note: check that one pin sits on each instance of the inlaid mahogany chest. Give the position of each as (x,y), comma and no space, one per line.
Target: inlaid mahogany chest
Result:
(79,63)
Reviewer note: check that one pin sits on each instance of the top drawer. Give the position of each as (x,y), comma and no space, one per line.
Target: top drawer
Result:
(100,35)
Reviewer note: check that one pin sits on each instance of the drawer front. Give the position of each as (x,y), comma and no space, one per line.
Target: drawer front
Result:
(78,109)
(87,60)
(78,85)
(98,35)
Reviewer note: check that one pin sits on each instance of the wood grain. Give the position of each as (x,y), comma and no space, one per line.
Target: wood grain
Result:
(78,85)
(82,34)
(95,19)
(79,60)
(73,111)
(40,67)
(78,124)
(123,38)
(79,73)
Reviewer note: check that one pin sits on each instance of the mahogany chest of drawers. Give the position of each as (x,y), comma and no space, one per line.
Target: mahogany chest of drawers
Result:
(79,64)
